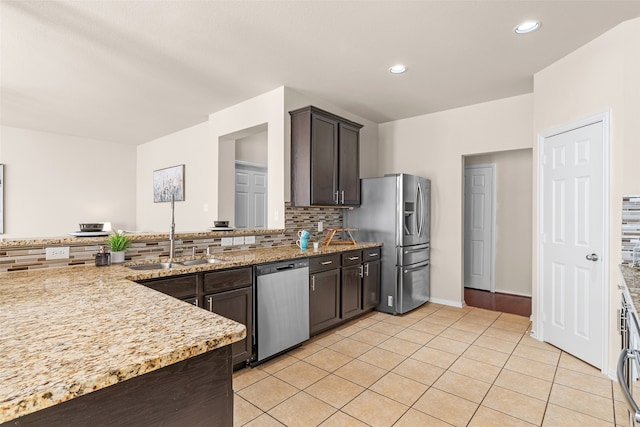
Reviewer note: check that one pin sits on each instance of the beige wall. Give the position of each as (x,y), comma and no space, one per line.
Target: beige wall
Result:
(54,182)
(185,147)
(513,189)
(252,148)
(602,76)
(433,146)
(209,159)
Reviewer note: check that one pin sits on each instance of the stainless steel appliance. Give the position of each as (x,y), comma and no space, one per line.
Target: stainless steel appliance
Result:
(282,306)
(628,368)
(395,210)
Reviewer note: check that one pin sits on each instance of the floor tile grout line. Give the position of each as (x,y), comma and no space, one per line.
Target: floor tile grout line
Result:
(405,357)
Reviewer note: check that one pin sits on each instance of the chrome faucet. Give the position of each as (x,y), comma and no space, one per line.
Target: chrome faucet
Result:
(172,231)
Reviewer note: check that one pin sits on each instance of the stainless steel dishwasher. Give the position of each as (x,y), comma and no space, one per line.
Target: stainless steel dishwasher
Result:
(282,306)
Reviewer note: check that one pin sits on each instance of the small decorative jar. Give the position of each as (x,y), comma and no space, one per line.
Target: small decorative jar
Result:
(103,257)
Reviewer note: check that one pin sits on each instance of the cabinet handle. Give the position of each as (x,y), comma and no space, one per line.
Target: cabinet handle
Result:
(366,270)
(361,271)
(313,283)
(211,304)
(342,201)
(353,258)
(373,254)
(326,262)
(337,197)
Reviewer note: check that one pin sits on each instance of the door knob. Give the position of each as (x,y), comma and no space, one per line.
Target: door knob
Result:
(592,257)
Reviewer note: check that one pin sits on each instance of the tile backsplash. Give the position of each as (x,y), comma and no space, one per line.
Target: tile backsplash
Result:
(630,226)
(25,257)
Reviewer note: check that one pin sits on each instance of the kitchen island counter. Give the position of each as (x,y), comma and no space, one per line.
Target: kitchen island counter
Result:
(67,332)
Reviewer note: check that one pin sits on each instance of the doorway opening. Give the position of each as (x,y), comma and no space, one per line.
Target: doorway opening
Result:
(498,230)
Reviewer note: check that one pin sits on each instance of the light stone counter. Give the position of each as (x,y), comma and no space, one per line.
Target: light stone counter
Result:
(65,332)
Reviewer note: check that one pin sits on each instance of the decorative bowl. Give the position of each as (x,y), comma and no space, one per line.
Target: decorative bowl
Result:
(221,223)
(97,226)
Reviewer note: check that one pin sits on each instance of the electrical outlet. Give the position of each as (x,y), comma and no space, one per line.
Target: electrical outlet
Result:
(226,241)
(239,240)
(61,252)
(320,226)
(249,240)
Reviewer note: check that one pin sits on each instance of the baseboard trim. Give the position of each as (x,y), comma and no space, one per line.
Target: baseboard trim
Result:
(450,303)
(506,292)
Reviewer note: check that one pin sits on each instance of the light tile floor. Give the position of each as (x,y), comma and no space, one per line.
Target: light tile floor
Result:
(435,366)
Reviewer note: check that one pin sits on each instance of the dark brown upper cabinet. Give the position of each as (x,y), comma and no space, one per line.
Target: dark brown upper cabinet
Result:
(325,159)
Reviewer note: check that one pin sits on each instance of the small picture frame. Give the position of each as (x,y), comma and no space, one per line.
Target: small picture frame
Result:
(167,182)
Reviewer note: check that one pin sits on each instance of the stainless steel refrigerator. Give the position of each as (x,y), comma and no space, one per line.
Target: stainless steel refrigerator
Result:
(395,210)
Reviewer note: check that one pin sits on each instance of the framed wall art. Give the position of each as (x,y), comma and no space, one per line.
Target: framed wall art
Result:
(168,181)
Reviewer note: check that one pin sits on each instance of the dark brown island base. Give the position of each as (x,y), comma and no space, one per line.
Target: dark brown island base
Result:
(194,392)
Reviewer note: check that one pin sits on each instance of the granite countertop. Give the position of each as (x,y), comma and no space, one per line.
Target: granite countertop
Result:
(72,330)
(631,276)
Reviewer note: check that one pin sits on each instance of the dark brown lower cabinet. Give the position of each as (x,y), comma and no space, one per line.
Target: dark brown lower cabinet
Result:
(324,300)
(228,293)
(371,285)
(351,292)
(194,392)
(237,306)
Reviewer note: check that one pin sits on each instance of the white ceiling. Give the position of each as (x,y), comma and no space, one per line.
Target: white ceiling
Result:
(131,71)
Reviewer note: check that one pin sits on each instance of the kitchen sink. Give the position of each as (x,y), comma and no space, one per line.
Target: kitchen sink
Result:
(156,266)
(201,261)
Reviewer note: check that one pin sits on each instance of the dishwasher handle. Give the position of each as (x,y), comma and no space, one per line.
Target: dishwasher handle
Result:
(625,355)
(286,267)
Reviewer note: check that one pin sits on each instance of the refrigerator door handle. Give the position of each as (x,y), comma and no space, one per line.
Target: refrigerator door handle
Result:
(420,267)
(419,209)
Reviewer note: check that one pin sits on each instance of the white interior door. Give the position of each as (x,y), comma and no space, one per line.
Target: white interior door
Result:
(571,279)
(251,196)
(478,227)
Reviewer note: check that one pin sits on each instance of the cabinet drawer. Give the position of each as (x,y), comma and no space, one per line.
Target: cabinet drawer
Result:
(181,287)
(351,258)
(325,262)
(370,254)
(225,280)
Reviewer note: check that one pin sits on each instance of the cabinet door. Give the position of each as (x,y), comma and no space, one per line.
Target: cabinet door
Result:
(324,159)
(348,165)
(371,285)
(237,306)
(351,291)
(324,300)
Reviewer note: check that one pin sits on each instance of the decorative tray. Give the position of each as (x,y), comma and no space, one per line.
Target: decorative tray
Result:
(89,233)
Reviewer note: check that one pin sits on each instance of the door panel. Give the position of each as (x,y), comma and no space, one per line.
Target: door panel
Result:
(348,169)
(251,196)
(324,146)
(478,228)
(572,223)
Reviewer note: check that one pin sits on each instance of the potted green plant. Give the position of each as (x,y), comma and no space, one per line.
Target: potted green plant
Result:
(316,239)
(119,243)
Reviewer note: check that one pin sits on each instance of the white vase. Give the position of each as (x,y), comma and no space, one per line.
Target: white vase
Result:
(117,257)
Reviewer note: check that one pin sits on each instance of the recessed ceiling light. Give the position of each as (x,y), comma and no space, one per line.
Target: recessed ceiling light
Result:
(398,69)
(527,27)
